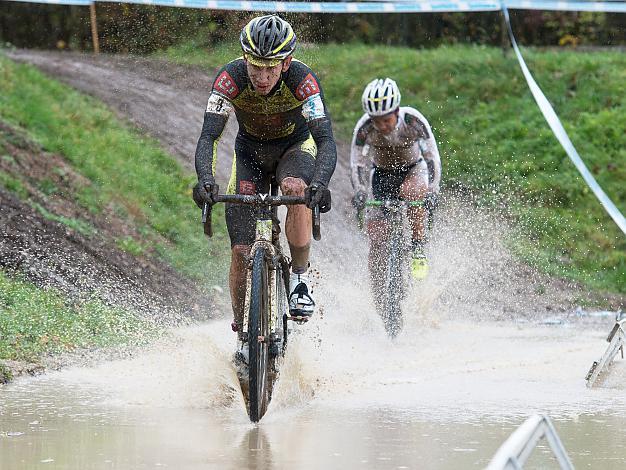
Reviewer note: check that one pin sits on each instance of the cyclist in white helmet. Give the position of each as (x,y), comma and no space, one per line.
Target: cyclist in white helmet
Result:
(394,151)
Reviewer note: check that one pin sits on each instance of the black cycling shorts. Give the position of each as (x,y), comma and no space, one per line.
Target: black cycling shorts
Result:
(386,183)
(253,167)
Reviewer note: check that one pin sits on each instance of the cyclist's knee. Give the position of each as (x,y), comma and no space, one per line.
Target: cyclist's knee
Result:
(377,231)
(292,186)
(413,189)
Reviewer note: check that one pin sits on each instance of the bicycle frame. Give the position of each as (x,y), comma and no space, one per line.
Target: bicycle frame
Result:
(267,238)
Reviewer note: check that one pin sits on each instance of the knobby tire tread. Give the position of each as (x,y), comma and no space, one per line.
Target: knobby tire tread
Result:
(258,320)
(395,287)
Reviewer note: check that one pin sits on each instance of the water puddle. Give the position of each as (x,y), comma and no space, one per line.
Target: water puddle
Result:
(444,398)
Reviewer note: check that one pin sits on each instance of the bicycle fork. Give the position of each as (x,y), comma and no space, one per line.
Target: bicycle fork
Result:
(263,239)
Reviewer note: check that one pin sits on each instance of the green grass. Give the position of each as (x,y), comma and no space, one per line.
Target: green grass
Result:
(13,184)
(34,322)
(128,171)
(130,245)
(80,226)
(494,141)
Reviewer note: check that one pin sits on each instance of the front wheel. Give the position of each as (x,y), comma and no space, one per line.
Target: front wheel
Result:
(259,336)
(395,287)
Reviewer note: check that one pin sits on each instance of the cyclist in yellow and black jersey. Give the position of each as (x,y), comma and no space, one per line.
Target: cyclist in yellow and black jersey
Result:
(281,115)
(284,131)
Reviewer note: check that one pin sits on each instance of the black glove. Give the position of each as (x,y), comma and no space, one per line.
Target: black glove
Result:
(431,201)
(358,200)
(317,195)
(204,191)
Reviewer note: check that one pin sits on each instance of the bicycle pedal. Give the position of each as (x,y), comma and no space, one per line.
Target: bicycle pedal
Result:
(300,319)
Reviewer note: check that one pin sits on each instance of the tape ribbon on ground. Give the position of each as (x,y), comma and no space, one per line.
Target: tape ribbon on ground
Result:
(429,7)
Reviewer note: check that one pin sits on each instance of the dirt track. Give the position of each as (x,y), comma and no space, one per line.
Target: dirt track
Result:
(472,271)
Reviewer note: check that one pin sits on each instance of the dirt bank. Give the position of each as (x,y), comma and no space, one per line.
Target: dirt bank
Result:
(47,237)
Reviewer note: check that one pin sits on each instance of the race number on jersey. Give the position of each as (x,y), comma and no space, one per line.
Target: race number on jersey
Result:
(313,108)
(218,105)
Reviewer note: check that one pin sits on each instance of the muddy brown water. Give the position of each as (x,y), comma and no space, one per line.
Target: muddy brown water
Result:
(487,342)
(347,401)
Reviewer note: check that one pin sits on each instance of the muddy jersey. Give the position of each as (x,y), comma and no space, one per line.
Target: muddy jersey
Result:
(284,112)
(292,112)
(406,145)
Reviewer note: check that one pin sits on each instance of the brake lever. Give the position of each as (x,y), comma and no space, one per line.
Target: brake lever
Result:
(206,220)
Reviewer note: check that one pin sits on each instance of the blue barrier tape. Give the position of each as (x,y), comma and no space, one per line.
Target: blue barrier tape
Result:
(561,135)
(310,7)
(371,7)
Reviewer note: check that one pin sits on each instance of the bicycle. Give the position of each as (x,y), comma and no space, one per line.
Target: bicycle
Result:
(388,299)
(266,307)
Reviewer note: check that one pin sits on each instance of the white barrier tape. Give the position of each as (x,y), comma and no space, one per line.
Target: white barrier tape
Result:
(561,135)
(370,7)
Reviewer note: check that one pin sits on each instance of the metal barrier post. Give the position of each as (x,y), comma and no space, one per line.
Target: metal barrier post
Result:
(513,454)
(616,339)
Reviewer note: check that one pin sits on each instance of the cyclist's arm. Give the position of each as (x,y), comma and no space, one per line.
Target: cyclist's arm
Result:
(216,115)
(427,143)
(359,161)
(316,116)
(431,153)
(322,132)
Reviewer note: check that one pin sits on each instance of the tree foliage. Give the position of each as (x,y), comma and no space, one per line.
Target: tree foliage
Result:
(140,29)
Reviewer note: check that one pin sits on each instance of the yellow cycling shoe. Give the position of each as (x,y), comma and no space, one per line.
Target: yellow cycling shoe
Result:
(419,264)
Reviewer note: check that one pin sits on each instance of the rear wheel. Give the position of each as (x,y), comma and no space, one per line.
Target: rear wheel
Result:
(259,337)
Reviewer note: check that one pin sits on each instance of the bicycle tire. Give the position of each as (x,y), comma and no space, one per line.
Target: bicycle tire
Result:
(258,337)
(396,285)
(283,294)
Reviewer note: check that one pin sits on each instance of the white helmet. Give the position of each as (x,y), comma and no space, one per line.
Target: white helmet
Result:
(381,97)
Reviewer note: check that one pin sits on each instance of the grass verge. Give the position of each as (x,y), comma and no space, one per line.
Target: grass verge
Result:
(494,141)
(34,322)
(127,170)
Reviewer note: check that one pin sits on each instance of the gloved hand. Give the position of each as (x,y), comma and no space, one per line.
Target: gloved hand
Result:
(317,195)
(431,201)
(203,191)
(358,200)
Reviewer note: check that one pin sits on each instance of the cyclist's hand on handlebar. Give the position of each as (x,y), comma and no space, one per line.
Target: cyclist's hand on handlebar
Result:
(358,200)
(205,190)
(317,195)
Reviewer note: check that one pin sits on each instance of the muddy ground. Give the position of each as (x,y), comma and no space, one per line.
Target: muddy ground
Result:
(167,102)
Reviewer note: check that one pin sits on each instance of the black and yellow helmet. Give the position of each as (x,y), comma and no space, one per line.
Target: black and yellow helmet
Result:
(267,40)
